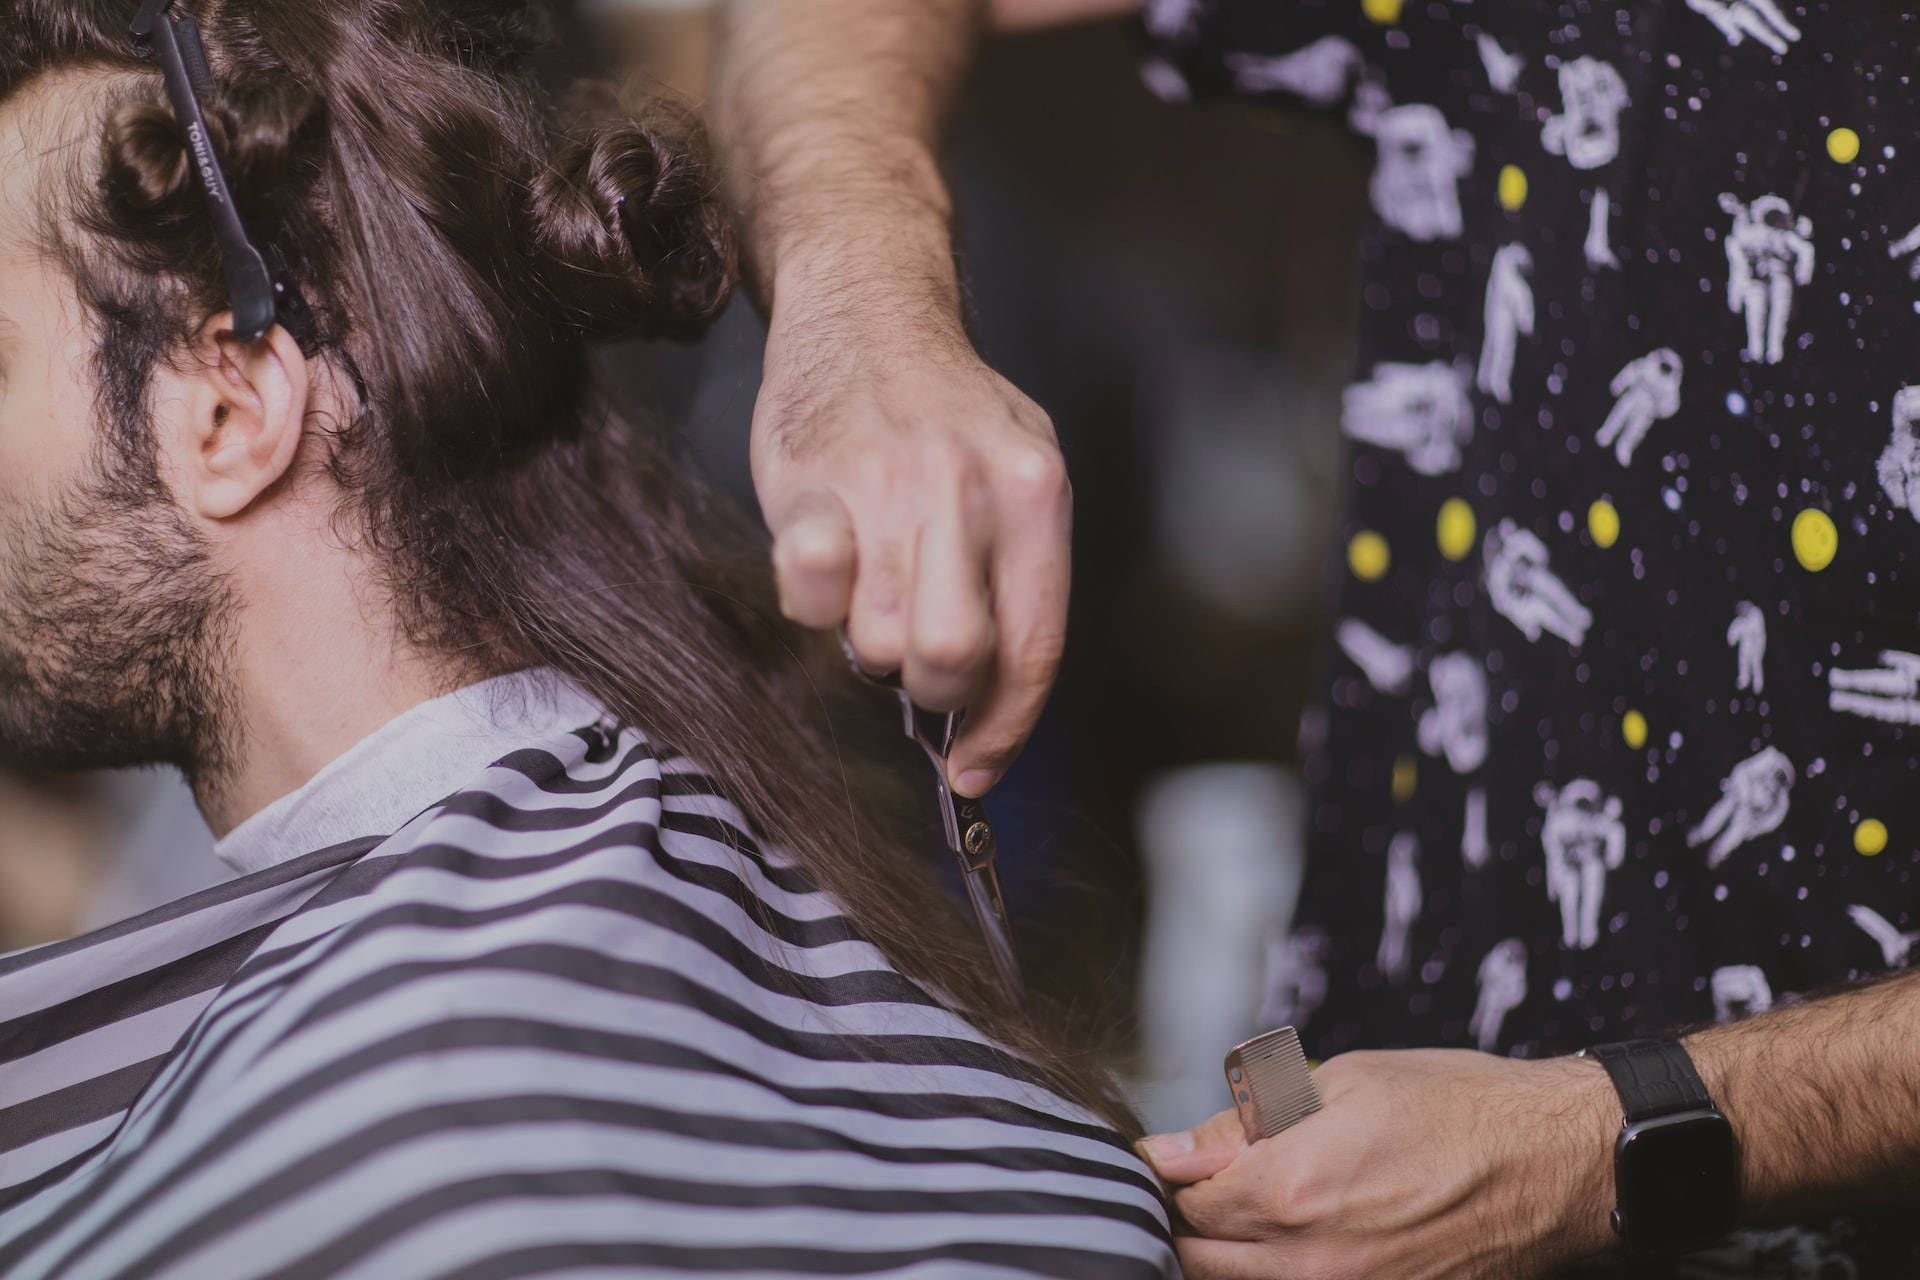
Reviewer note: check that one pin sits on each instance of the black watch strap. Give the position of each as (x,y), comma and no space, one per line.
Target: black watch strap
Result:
(1653,1077)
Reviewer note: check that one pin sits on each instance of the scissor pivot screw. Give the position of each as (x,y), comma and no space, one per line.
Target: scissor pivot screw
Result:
(979,839)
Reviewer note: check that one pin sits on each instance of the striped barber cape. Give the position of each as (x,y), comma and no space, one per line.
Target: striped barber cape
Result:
(540,1006)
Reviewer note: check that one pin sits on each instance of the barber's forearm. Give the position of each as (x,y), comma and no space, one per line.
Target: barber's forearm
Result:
(830,112)
(1824,1097)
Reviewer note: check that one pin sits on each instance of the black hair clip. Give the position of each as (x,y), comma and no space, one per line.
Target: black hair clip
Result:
(261,296)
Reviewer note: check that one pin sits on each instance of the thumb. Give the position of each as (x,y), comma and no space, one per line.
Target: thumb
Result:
(1196,1153)
(813,560)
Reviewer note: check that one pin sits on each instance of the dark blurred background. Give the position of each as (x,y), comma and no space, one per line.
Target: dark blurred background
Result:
(1174,285)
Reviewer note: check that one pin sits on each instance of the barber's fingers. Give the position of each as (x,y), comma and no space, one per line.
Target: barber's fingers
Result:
(950,638)
(882,591)
(1032,568)
(1203,1259)
(1196,1153)
(814,560)
(1234,1204)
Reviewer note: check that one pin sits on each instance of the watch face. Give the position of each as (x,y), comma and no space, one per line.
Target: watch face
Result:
(1677,1182)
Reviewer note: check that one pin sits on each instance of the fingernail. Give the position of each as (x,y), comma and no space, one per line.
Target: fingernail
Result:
(974,783)
(1167,1146)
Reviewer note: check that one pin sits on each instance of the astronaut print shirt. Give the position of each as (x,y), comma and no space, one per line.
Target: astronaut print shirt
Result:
(1617,735)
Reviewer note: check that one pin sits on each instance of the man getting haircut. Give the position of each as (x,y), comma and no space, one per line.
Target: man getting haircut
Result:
(562,941)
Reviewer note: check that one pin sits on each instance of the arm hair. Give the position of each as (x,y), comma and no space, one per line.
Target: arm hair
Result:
(830,114)
(1824,1098)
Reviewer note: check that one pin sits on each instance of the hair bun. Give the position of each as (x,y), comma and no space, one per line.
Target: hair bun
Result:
(630,215)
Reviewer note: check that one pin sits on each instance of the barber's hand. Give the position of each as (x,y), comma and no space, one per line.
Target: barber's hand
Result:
(1421,1164)
(915,496)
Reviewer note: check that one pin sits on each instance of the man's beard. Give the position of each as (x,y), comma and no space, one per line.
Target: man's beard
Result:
(114,628)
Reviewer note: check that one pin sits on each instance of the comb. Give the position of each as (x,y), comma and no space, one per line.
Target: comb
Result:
(1272,1088)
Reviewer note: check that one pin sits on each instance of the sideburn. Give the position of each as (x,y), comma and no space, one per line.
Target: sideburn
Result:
(114,624)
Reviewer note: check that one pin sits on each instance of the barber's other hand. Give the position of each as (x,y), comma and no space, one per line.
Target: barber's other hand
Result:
(1422,1164)
(916,497)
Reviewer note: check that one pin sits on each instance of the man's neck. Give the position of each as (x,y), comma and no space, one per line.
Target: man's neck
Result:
(318,665)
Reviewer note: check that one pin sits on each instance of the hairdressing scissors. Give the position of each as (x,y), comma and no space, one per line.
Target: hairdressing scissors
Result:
(968,833)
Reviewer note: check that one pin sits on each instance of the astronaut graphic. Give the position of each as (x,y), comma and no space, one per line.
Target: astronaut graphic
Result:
(1475,848)
(1776,1253)
(1599,246)
(1587,130)
(1740,991)
(1769,253)
(1646,391)
(1525,592)
(1584,839)
(1739,19)
(1503,68)
(1172,19)
(1387,666)
(1889,692)
(1503,986)
(1319,73)
(1402,907)
(1421,410)
(1456,725)
(1895,946)
(1419,162)
(1509,314)
(1908,244)
(1753,802)
(1296,977)
(1747,634)
(1899,467)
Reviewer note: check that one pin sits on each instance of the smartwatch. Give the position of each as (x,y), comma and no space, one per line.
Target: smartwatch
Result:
(1676,1169)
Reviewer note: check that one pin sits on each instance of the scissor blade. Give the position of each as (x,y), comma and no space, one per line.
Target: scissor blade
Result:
(983,891)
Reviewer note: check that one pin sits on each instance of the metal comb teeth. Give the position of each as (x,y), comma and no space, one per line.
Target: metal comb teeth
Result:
(1272,1088)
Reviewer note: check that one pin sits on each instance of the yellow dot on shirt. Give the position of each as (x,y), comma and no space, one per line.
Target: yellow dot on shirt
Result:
(1368,556)
(1603,523)
(1405,775)
(1456,528)
(1843,144)
(1870,837)
(1633,727)
(1513,187)
(1815,540)
(1384,12)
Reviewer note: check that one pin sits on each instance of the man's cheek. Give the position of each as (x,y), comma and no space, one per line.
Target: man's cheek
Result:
(22,475)
(49,439)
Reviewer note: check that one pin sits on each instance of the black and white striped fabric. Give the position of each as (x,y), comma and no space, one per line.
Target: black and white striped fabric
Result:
(571,1020)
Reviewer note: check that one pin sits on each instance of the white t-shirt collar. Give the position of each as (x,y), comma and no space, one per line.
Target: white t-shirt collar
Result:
(417,758)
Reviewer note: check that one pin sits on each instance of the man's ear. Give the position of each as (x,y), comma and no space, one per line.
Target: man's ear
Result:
(244,411)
